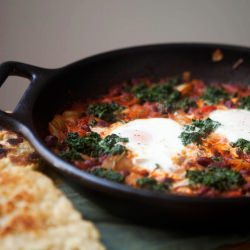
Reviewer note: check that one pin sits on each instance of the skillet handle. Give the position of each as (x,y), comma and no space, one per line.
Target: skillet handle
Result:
(18,69)
(19,117)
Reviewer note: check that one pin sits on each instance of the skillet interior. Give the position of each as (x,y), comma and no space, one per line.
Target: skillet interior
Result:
(92,76)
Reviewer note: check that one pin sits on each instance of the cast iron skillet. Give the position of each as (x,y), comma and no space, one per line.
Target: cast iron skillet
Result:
(51,90)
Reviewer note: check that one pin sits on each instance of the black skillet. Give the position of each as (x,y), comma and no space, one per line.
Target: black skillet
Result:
(52,90)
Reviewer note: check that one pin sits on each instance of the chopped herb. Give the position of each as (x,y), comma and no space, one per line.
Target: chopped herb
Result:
(221,179)
(243,145)
(87,145)
(109,145)
(198,130)
(213,95)
(185,104)
(157,166)
(107,174)
(165,94)
(71,155)
(152,184)
(216,158)
(93,145)
(174,81)
(155,93)
(105,111)
(244,103)
(171,102)
(92,123)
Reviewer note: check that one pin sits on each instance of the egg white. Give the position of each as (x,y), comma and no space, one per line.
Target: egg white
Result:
(235,123)
(153,142)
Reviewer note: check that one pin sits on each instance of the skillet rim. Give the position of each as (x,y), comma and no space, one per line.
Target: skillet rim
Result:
(211,45)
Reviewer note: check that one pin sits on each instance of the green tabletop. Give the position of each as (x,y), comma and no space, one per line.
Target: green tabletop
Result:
(119,234)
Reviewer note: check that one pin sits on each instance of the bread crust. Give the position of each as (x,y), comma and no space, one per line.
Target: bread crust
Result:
(34,214)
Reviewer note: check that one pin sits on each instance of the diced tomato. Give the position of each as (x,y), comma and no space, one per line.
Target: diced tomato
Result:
(203,111)
(198,88)
(230,88)
(233,193)
(138,111)
(85,164)
(81,127)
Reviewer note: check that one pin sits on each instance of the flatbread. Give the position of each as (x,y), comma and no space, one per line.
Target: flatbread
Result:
(16,151)
(34,214)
